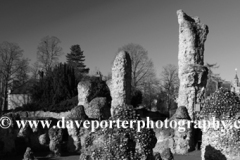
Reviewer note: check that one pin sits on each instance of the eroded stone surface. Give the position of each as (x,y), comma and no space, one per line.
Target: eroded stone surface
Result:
(28,154)
(221,142)
(84,91)
(98,108)
(55,136)
(183,138)
(167,154)
(121,81)
(74,139)
(120,143)
(43,139)
(192,73)
(77,113)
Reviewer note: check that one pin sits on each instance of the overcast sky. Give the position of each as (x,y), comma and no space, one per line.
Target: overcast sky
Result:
(100,27)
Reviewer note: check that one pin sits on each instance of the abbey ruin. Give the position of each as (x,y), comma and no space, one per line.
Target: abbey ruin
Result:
(127,143)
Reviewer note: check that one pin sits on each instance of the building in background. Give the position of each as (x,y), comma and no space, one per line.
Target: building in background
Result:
(18,96)
(16,99)
(235,87)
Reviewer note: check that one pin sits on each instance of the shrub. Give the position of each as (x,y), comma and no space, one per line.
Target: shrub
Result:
(222,104)
(99,88)
(59,84)
(136,98)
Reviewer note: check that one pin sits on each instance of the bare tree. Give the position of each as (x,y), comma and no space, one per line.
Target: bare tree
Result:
(12,67)
(49,52)
(22,75)
(150,91)
(35,70)
(142,66)
(170,80)
(214,80)
(170,83)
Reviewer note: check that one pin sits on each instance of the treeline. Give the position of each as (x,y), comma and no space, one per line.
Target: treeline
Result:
(53,85)
(47,81)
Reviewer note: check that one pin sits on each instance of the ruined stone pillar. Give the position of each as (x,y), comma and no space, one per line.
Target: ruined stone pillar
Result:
(192,73)
(84,90)
(121,81)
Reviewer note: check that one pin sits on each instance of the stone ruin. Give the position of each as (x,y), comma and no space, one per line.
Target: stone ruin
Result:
(192,72)
(115,143)
(75,140)
(193,78)
(28,155)
(96,108)
(220,142)
(121,81)
(217,143)
(52,140)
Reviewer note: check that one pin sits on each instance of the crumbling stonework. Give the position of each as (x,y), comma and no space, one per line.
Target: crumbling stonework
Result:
(121,81)
(157,156)
(167,154)
(165,139)
(16,140)
(55,136)
(176,139)
(43,139)
(25,131)
(98,108)
(120,143)
(77,113)
(74,139)
(28,155)
(192,73)
(221,142)
(182,134)
(84,90)
(91,88)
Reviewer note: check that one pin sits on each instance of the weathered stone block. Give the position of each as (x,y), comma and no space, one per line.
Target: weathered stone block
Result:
(221,141)
(192,36)
(84,91)
(55,136)
(29,154)
(167,154)
(121,81)
(98,108)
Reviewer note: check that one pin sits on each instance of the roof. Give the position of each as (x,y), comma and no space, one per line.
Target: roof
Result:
(22,89)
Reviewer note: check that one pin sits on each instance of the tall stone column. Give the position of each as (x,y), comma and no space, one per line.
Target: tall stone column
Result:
(192,73)
(121,81)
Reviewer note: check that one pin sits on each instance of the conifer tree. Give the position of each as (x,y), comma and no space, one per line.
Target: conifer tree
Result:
(76,58)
